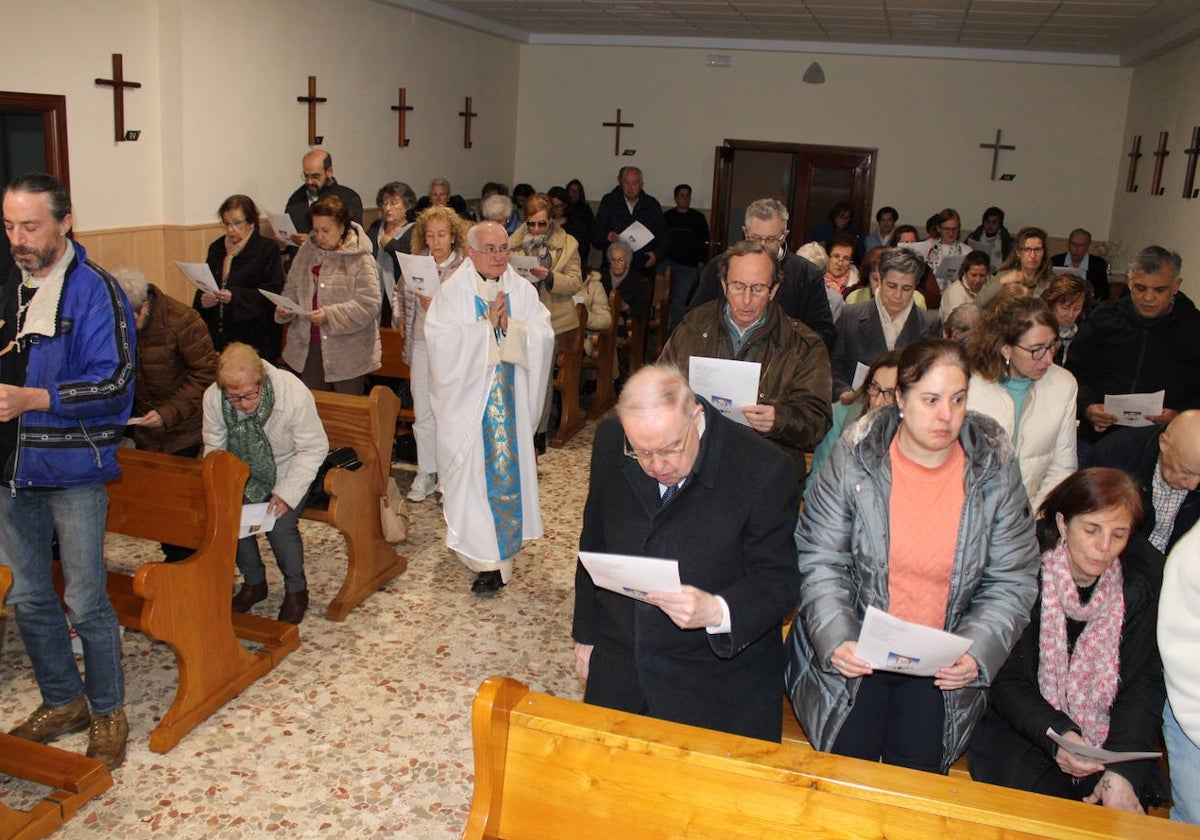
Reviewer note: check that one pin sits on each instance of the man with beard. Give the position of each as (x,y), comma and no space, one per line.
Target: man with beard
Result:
(318,183)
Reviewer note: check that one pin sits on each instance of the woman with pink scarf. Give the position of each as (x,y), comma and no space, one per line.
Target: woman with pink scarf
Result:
(1087,667)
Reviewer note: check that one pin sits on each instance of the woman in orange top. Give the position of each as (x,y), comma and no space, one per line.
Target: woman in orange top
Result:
(920,513)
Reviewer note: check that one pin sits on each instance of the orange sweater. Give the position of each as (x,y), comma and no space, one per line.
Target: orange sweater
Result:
(924,513)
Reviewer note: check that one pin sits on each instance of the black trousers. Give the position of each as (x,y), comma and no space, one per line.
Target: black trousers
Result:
(896,718)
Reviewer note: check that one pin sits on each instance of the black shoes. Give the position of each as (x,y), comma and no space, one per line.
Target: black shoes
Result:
(294,605)
(249,595)
(487,583)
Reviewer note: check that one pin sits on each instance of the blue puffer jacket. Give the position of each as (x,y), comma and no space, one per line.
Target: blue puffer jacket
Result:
(80,336)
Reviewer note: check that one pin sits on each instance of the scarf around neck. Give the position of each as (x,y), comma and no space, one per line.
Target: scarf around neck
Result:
(1081,683)
(246,439)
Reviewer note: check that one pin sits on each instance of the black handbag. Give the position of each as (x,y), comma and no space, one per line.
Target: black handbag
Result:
(343,458)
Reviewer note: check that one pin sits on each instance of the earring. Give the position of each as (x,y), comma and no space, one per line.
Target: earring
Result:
(1006,360)
(901,411)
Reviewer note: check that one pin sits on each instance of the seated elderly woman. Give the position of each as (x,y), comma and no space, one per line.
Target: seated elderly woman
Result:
(631,284)
(1069,297)
(243,261)
(840,273)
(972,275)
(1087,666)
(868,281)
(266,417)
(960,324)
(389,234)
(1017,384)
(945,254)
(334,342)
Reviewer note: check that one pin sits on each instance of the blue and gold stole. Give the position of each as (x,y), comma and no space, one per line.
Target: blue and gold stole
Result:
(502,468)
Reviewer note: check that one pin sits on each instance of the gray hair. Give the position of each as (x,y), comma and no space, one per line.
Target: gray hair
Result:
(619,245)
(496,208)
(656,386)
(54,189)
(440,182)
(902,260)
(964,315)
(400,190)
(744,249)
(133,284)
(478,228)
(767,209)
(815,253)
(1153,259)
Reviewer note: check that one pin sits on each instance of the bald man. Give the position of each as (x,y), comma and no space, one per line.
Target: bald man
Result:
(1165,461)
(318,183)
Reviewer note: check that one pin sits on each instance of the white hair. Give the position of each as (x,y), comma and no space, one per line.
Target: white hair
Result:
(133,284)
(496,208)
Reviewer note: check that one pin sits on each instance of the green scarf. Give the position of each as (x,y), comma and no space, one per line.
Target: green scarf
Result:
(246,439)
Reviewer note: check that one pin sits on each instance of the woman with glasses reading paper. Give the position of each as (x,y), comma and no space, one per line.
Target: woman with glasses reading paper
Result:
(1017,384)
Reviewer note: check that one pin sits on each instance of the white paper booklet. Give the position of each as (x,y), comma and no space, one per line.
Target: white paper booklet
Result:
(1131,409)
(256,520)
(892,644)
(420,273)
(1097,753)
(281,223)
(522,265)
(285,303)
(726,383)
(635,577)
(636,236)
(199,275)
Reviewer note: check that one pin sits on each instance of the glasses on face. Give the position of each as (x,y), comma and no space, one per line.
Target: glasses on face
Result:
(873,390)
(234,223)
(249,396)
(645,456)
(392,202)
(1039,351)
(492,250)
(538,225)
(739,288)
(1026,250)
(839,258)
(765,240)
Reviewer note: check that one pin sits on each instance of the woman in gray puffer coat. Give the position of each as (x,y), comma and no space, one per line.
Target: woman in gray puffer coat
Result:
(920,513)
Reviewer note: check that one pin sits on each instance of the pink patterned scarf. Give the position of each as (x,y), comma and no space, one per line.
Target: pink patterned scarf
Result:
(1082,685)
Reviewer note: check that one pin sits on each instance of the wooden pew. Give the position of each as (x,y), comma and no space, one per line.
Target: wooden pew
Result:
(74,778)
(197,504)
(547,768)
(659,326)
(368,425)
(605,347)
(568,362)
(393,367)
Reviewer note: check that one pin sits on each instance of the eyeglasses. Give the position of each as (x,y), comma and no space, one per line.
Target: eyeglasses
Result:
(1039,351)
(766,240)
(492,250)
(874,390)
(738,288)
(538,225)
(249,396)
(1032,250)
(233,223)
(644,456)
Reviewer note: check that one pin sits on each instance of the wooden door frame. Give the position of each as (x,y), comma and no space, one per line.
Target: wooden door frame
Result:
(804,155)
(53,109)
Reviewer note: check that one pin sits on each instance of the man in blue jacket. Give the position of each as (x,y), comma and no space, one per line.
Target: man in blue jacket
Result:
(66,389)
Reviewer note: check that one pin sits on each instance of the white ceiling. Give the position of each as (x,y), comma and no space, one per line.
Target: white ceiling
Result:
(1106,32)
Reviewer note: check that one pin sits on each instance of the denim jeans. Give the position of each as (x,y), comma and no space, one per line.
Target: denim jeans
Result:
(1184,755)
(289,552)
(28,522)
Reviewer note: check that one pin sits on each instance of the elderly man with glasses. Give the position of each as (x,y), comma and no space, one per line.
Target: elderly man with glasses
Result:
(671,478)
(490,344)
(748,325)
(802,284)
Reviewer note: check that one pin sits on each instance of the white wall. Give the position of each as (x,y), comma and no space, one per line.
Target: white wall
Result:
(1165,96)
(218,106)
(927,118)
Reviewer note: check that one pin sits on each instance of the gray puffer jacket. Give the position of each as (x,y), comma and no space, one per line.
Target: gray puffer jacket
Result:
(842,539)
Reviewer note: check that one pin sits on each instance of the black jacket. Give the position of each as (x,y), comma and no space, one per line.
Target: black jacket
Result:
(297,204)
(1118,352)
(248,317)
(613,216)
(1011,747)
(1097,273)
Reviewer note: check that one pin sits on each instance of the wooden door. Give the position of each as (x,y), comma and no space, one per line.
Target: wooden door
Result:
(807,179)
(33,135)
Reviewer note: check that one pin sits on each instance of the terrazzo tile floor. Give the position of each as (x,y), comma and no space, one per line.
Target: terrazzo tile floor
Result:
(365,729)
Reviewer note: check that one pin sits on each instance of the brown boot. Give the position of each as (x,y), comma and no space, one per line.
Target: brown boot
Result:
(50,723)
(107,737)
(249,595)
(294,606)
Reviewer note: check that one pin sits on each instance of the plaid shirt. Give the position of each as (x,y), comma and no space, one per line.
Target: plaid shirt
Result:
(1167,502)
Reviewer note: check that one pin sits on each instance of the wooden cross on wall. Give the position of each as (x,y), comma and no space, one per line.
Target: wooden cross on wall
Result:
(466,113)
(312,100)
(403,108)
(996,147)
(618,125)
(1189,181)
(118,84)
(1156,188)
(1134,155)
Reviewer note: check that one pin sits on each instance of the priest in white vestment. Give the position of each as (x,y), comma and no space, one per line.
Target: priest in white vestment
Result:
(490,344)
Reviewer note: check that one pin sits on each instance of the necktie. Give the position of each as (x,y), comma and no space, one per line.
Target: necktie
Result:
(669,493)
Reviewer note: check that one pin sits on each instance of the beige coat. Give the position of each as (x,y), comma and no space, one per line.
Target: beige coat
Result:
(565,280)
(349,293)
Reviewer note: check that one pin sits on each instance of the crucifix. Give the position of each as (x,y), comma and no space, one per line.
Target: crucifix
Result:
(1156,188)
(403,108)
(1190,180)
(118,84)
(1134,154)
(996,147)
(311,100)
(466,113)
(618,125)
